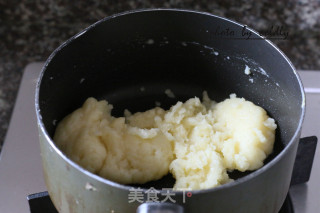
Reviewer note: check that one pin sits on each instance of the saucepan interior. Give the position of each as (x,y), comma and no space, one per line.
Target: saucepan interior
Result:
(132,59)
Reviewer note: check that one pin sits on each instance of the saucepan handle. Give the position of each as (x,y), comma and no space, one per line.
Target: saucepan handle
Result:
(304,160)
(160,208)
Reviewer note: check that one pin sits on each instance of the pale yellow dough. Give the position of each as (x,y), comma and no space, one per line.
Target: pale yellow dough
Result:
(198,142)
(109,147)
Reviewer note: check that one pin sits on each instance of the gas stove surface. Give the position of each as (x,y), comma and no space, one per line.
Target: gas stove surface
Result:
(41,202)
(20,160)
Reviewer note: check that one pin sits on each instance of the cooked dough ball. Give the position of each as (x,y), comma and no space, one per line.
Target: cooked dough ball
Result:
(211,138)
(197,164)
(113,149)
(246,131)
(198,142)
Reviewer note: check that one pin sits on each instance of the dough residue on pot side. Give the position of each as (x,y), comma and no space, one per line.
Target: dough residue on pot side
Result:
(198,142)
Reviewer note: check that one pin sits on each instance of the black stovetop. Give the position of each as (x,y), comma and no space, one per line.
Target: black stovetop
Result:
(41,202)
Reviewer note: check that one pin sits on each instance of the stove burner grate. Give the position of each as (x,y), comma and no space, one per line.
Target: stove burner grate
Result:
(41,202)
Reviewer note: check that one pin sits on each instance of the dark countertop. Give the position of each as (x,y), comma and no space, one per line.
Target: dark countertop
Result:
(31,30)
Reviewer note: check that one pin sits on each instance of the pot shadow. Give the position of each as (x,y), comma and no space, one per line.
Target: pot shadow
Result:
(165,182)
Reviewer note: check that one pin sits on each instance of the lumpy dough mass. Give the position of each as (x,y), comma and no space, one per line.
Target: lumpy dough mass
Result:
(198,142)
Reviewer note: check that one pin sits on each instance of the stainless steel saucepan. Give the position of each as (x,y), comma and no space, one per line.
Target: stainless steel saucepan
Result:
(187,52)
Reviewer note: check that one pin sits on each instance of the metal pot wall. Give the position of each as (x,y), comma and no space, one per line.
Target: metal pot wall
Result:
(187,52)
